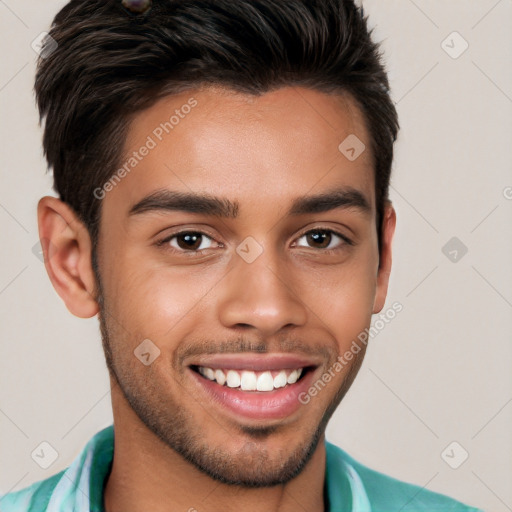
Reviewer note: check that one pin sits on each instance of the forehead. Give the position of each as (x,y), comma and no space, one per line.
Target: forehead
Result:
(255,148)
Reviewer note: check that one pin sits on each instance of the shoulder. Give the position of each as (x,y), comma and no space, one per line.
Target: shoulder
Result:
(32,498)
(384,493)
(78,487)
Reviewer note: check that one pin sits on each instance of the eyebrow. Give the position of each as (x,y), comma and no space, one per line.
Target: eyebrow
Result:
(169,200)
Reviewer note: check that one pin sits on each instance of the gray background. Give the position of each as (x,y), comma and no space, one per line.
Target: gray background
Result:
(439,372)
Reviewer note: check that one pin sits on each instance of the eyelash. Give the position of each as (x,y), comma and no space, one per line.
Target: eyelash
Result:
(166,240)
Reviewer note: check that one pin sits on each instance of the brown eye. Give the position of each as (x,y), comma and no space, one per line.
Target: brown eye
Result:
(323,239)
(189,241)
(320,239)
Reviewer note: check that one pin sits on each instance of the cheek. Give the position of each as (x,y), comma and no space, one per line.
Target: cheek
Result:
(347,314)
(343,302)
(158,301)
(344,291)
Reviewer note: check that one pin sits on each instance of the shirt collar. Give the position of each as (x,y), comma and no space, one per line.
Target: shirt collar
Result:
(344,487)
(81,486)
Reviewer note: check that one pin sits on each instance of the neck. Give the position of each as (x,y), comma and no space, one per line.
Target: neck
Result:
(149,475)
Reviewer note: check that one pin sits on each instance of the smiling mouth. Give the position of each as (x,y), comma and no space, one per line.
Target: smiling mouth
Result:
(248,380)
(254,387)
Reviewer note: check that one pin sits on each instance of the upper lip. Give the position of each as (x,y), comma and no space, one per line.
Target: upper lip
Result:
(254,362)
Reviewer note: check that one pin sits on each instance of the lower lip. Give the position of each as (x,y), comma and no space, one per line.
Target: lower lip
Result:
(259,405)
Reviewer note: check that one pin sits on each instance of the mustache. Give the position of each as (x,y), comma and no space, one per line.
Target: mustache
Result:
(242,345)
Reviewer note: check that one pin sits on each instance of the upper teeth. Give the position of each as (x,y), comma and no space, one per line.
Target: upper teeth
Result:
(248,380)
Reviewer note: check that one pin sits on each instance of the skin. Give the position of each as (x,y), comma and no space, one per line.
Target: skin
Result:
(263,152)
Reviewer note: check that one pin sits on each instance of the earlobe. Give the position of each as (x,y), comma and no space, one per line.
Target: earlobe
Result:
(67,256)
(388,230)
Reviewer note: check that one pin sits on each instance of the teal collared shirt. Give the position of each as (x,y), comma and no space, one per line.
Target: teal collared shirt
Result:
(349,486)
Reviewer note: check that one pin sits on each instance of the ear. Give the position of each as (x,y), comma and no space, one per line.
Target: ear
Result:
(388,229)
(67,256)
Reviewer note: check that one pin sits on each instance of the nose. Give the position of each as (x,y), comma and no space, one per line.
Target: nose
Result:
(261,295)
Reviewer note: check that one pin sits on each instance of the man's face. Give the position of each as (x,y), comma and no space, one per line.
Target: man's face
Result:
(259,285)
